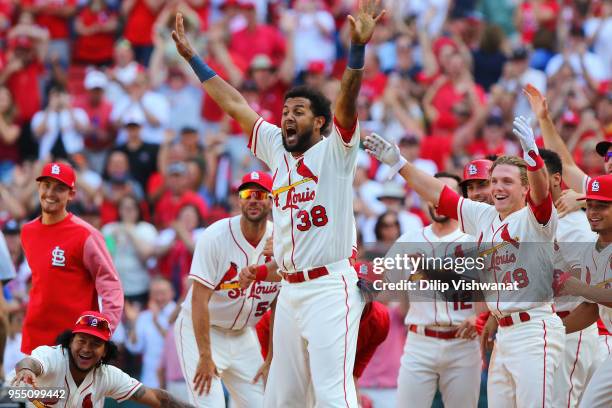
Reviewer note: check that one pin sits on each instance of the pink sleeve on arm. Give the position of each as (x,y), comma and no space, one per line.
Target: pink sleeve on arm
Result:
(447,204)
(99,263)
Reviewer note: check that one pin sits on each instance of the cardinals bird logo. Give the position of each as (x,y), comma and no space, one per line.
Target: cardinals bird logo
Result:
(305,172)
(505,235)
(87,401)
(230,274)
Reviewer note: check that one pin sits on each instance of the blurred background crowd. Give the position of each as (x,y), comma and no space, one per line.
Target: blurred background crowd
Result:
(99,84)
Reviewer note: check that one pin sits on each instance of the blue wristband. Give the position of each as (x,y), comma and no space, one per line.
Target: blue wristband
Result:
(356,57)
(201,69)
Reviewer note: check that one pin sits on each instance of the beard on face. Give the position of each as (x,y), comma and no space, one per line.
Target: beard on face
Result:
(441,219)
(257,218)
(303,141)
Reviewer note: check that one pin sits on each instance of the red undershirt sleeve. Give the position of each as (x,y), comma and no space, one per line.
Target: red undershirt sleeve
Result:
(542,211)
(447,204)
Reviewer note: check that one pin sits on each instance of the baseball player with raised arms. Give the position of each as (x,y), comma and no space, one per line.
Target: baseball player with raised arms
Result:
(525,316)
(595,285)
(78,368)
(581,348)
(441,349)
(318,310)
(217,317)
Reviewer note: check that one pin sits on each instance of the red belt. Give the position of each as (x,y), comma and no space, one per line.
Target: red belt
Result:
(563,313)
(445,335)
(303,276)
(507,320)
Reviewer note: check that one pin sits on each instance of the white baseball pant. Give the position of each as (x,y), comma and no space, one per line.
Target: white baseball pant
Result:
(315,336)
(236,354)
(454,365)
(598,392)
(524,360)
(576,367)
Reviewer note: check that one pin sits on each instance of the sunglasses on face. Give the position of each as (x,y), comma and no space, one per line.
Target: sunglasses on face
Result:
(94,321)
(257,194)
(607,157)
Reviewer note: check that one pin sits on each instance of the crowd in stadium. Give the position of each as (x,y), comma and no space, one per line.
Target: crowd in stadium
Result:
(100,84)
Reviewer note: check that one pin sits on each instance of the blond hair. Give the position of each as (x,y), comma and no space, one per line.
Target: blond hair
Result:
(513,161)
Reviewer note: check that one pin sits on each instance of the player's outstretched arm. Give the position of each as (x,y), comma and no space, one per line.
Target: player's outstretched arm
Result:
(157,398)
(362,27)
(225,95)
(428,187)
(537,175)
(572,174)
(584,315)
(571,286)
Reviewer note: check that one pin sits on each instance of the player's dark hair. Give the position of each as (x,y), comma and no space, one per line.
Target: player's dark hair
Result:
(112,352)
(552,161)
(319,104)
(445,174)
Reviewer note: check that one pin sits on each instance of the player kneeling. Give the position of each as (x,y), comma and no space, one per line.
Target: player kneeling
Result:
(79,366)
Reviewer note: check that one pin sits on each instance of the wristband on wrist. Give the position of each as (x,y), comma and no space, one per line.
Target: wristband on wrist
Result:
(356,56)
(539,163)
(201,69)
(396,167)
(262,273)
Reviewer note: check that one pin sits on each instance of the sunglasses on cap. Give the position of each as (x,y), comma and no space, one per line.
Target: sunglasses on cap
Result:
(257,194)
(607,157)
(87,321)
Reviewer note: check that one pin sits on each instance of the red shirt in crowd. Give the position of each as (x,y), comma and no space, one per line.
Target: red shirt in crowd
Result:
(530,24)
(71,267)
(444,100)
(59,27)
(374,87)
(273,100)
(6,12)
(168,207)
(30,102)
(211,112)
(139,25)
(99,117)
(98,47)
(263,40)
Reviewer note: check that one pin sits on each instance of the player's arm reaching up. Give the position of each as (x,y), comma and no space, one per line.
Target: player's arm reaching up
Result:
(362,27)
(572,174)
(225,95)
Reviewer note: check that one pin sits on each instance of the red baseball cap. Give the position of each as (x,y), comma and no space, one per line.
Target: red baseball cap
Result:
(94,323)
(59,171)
(599,188)
(260,178)
(570,117)
(477,170)
(316,67)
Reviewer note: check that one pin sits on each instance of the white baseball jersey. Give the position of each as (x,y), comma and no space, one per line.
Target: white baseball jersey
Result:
(572,237)
(522,254)
(221,252)
(598,271)
(101,382)
(313,197)
(430,308)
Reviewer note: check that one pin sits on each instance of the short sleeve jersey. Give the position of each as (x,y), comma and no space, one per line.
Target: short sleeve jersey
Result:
(429,307)
(519,249)
(100,383)
(221,252)
(597,270)
(313,196)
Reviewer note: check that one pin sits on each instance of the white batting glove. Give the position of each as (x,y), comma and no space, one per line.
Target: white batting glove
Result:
(524,133)
(385,152)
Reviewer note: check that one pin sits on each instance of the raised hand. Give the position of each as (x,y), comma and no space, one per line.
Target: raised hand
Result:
(523,131)
(182,44)
(382,150)
(362,27)
(538,103)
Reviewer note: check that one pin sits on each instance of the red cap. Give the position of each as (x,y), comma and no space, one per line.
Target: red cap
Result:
(569,117)
(94,323)
(21,41)
(316,67)
(59,171)
(260,178)
(477,170)
(599,188)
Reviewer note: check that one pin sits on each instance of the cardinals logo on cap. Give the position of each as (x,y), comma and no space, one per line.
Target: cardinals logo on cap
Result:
(254,175)
(55,169)
(94,322)
(472,170)
(595,186)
